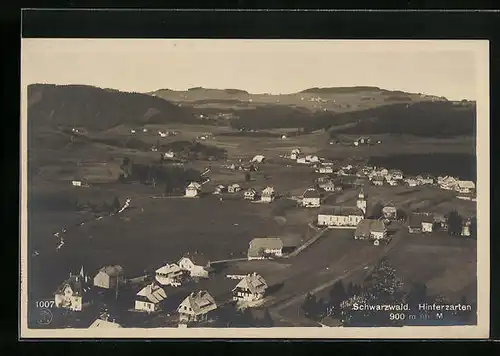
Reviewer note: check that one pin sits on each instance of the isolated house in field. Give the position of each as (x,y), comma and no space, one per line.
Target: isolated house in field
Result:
(264,247)
(420,222)
(389,211)
(109,276)
(250,194)
(465,186)
(340,216)
(193,190)
(234,188)
(268,195)
(196,307)
(371,229)
(169,274)
(149,298)
(76,183)
(72,293)
(311,198)
(251,288)
(258,159)
(196,266)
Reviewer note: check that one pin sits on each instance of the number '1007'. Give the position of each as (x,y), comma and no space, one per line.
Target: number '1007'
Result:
(44,303)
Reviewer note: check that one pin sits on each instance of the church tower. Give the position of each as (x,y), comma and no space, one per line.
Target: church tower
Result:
(361,203)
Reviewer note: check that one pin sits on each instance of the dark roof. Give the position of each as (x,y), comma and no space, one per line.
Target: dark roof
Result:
(77,284)
(366,226)
(259,243)
(416,219)
(311,193)
(342,210)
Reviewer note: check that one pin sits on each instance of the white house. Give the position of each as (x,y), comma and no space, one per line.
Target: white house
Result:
(169,154)
(268,195)
(168,274)
(396,174)
(311,198)
(196,307)
(234,188)
(326,170)
(465,186)
(109,277)
(72,293)
(261,247)
(411,182)
(340,216)
(302,160)
(76,183)
(219,189)
(251,288)
(295,154)
(390,212)
(312,159)
(193,190)
(371,229)
(258,159)
(420,222)
(195,266)
(149,298)
(447,183)
(250,194)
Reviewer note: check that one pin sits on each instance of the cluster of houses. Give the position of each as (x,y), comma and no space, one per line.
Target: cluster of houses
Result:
(267,195)
(460,186)
(74,294)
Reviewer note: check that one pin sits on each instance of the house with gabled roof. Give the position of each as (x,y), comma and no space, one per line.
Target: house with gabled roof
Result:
(250,194)
(389,211)
(169,274)
(109,276)
(420,222)
(195,265)
(328,186)
(268,195)
(340,216)
(311,198)
(193,189)
(265,247)
(73,294)
(251,288)
(149,298)
(196,307)
(373,229)
(234,188)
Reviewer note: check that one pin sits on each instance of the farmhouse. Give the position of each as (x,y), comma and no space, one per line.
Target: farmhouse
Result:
(262,247)
(197,266)
(258,159)
(250,194)
(234,188)
(465,186)
(311,198)
(340,216)
(193,189)
(251,288)
(109,277)
(196,307)
(390,212)
(371,229)
(149,298)
(268,195)
(72,293)
(168,274)
(420,222)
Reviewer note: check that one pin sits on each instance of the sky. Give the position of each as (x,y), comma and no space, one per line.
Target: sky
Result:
(442,68)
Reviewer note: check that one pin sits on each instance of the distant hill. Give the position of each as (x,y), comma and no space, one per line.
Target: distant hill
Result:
(98,109)
(433,119)
(338,99)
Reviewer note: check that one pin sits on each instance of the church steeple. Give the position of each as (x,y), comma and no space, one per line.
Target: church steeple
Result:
(361,203)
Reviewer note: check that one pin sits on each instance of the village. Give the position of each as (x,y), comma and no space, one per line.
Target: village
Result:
(174,292)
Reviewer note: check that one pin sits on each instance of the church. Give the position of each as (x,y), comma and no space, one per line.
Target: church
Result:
(344,216)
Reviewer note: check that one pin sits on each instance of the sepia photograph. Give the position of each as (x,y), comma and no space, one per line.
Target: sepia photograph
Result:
(227,188)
